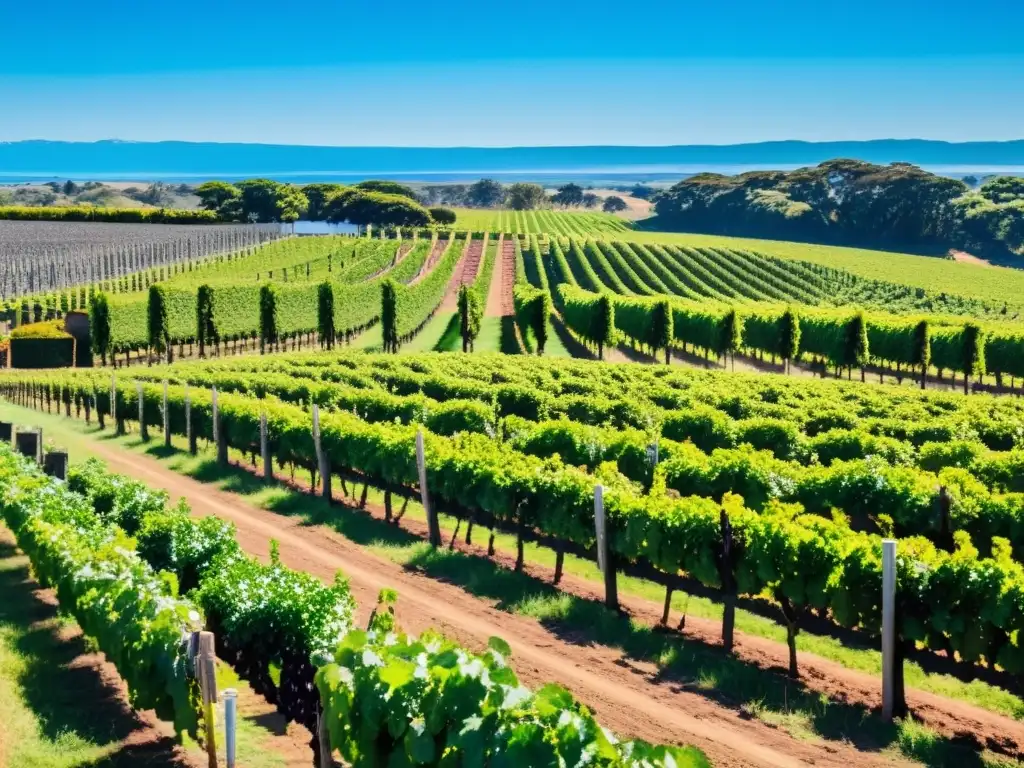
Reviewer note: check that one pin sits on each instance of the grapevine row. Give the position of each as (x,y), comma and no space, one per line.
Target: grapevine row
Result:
(268,614)
(959,602)
(862,469)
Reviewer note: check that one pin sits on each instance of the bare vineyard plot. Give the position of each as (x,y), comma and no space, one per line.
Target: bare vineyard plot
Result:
(507,267)
(40,257)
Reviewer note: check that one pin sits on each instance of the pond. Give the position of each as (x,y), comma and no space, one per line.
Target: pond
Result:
(319,228)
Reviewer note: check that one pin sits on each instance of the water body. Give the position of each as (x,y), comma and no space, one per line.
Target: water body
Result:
(613,175)
(319,228)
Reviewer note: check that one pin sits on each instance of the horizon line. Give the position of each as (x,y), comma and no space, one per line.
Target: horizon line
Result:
(770,142)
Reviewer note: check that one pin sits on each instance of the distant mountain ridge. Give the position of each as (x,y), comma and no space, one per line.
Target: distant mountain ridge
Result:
(39,157)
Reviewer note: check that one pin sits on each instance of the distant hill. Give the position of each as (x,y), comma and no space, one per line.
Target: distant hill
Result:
(137,159)
(851,202)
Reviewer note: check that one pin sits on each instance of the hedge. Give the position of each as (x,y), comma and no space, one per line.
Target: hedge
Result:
(116,215)
(42,352)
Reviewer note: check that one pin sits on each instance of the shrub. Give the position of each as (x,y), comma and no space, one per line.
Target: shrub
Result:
(389,315)
(48,329)
(268,316)
(119,215)
(159,336)
(325,314)
(206,323)
(99,323)
(470,316)
(443,216)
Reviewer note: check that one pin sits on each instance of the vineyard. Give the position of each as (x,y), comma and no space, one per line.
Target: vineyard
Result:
(993,286)
(690,302)
(715,302)
(641,389)
(554,222)
(740,487)
(118,589)
(770,492)
(45,257)
(294,273)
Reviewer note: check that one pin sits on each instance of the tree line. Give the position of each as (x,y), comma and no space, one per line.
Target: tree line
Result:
(521,196)
(854,203)
(384,203)
(377,203)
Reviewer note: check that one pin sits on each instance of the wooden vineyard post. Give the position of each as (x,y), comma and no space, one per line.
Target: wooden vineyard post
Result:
(206,673)
(599,525)
(604,557)
(55,464)
(167,419)
(322,465)
(189,432)
(219,438)
(323,736)
(29,443)
(215,412)
(143,430)
(99,413)
(268,469)
(652,455)
(114,414)
(433,528)
(230,726)
(889,671)
(728,581)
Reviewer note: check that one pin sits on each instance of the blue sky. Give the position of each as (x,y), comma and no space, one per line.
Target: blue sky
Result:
(499,74)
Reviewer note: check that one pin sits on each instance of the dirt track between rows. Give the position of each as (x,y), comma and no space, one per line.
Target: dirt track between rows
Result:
(624,693)
(499,295)
(436,252)
(83,678)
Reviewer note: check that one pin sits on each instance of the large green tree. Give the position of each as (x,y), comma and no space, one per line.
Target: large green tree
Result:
(213,195)
(614,204)
(387,187)
(569,194)
(445,194)
(318,195)
(1003,189)
(523,196)
(486,193)
(266,200)
(377,209)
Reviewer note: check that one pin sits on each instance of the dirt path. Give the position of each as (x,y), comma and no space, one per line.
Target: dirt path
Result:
(626,694)
(436,252)
(465,272)
(84,695)
(968,258)
(400,253)
(288,741)
(636,207)
(499,295)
